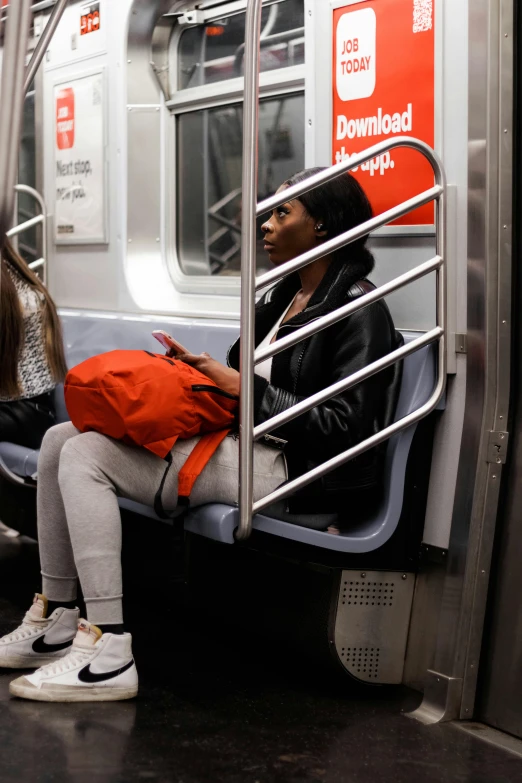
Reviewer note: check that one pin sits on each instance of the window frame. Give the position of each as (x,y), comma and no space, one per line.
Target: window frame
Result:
(272,84)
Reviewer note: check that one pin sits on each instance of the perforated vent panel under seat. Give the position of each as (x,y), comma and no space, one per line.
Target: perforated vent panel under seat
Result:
(371,624)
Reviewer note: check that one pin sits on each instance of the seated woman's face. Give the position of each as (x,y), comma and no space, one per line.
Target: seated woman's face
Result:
(289,231)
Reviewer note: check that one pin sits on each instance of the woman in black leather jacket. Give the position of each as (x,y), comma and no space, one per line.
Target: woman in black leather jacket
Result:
(81,475)
(326,357)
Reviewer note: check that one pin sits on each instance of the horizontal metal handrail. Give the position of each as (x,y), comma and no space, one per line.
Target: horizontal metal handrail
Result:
(43,43)
(347,383)
(34,221)
(285,490)
(25,226)
(335,316)
(249,285)
(332,172)
(36,264)
(326,248)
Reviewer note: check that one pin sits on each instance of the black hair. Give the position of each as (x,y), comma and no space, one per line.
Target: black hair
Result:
(339,205)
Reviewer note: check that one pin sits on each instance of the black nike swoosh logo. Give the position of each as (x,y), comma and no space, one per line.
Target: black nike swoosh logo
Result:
(41,646)
(85,675)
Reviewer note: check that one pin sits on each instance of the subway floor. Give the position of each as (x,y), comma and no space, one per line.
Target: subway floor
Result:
(216,707)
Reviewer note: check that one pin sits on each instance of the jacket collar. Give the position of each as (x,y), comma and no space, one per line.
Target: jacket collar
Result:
(341,282)
(337,285)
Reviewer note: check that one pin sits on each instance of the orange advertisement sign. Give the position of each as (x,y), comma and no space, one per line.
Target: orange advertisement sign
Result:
(90,18)
(384,86)
(65,119)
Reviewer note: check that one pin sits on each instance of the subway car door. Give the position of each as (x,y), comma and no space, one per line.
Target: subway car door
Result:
(499,698)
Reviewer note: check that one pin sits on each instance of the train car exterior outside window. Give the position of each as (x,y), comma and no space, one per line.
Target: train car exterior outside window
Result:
(208,130)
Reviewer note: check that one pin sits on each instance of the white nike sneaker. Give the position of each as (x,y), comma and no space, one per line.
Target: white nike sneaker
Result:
(40,639)
(98,668)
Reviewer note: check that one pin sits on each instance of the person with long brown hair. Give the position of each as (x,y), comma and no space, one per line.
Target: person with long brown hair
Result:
(32,360)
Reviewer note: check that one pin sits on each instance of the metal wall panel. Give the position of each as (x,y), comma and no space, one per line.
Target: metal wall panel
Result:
(451,685)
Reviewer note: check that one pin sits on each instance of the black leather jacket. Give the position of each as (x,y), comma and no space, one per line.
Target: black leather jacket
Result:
(317,362)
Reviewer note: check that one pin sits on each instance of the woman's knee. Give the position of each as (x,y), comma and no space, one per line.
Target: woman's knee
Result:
(55,439)
(86,454)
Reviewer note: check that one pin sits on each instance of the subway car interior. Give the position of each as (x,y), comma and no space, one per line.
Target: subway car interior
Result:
(142,146)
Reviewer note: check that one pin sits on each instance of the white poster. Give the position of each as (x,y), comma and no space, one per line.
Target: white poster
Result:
(80,171)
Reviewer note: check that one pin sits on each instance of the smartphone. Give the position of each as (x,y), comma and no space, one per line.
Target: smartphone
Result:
(168,342)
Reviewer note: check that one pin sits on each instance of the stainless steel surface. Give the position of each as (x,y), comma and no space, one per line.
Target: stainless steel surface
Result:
(424,617)
(349,236)
(441,698)
(371,624)
(498,447)
(160,54)
(497,738)
(12,96)
(248,264)
(347,383)
(461,343)
(43,43)
(459,640)
(343,312)
(271,83)
(499,702)
(142,85)
(144,206)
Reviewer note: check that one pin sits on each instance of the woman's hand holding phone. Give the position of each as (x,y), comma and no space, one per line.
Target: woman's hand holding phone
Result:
(171,345)
(225,377)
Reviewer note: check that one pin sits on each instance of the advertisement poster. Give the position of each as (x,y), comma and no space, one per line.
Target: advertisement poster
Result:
(384,86)
(80,199)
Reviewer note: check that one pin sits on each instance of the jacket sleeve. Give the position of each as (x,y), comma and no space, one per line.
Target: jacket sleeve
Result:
(345,420)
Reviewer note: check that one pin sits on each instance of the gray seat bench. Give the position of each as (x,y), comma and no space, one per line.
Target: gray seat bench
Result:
(218,521)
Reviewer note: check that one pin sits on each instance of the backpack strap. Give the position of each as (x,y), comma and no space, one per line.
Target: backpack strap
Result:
(194,464)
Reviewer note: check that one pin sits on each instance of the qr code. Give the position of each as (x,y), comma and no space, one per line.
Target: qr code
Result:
(422,15)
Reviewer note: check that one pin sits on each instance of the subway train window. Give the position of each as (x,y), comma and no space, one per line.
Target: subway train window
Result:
(209,184)
(214,51)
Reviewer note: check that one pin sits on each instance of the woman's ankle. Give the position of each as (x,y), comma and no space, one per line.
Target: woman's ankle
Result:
(116,628)
(53,605)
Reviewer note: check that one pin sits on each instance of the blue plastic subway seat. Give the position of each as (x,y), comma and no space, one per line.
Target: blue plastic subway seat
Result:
(218,521)
(87,334)
(20,460)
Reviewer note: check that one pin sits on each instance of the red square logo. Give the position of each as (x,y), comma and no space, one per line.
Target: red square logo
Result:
(65,119)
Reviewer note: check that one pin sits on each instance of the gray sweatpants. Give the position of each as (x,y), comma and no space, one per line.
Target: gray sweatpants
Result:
(81,476)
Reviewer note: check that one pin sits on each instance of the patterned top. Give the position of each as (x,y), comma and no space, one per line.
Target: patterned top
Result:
(34,372)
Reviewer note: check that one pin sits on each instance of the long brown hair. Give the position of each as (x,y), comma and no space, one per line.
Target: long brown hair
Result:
(12,333)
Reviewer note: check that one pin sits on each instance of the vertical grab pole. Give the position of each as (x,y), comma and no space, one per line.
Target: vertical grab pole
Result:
(43,43)
(13,69)
(248,265)
(441,250)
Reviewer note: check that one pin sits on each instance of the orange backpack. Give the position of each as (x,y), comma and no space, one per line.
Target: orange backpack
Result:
(146,399)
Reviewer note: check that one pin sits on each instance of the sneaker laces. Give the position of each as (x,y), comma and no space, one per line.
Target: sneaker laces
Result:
(76,657)
(28,628)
